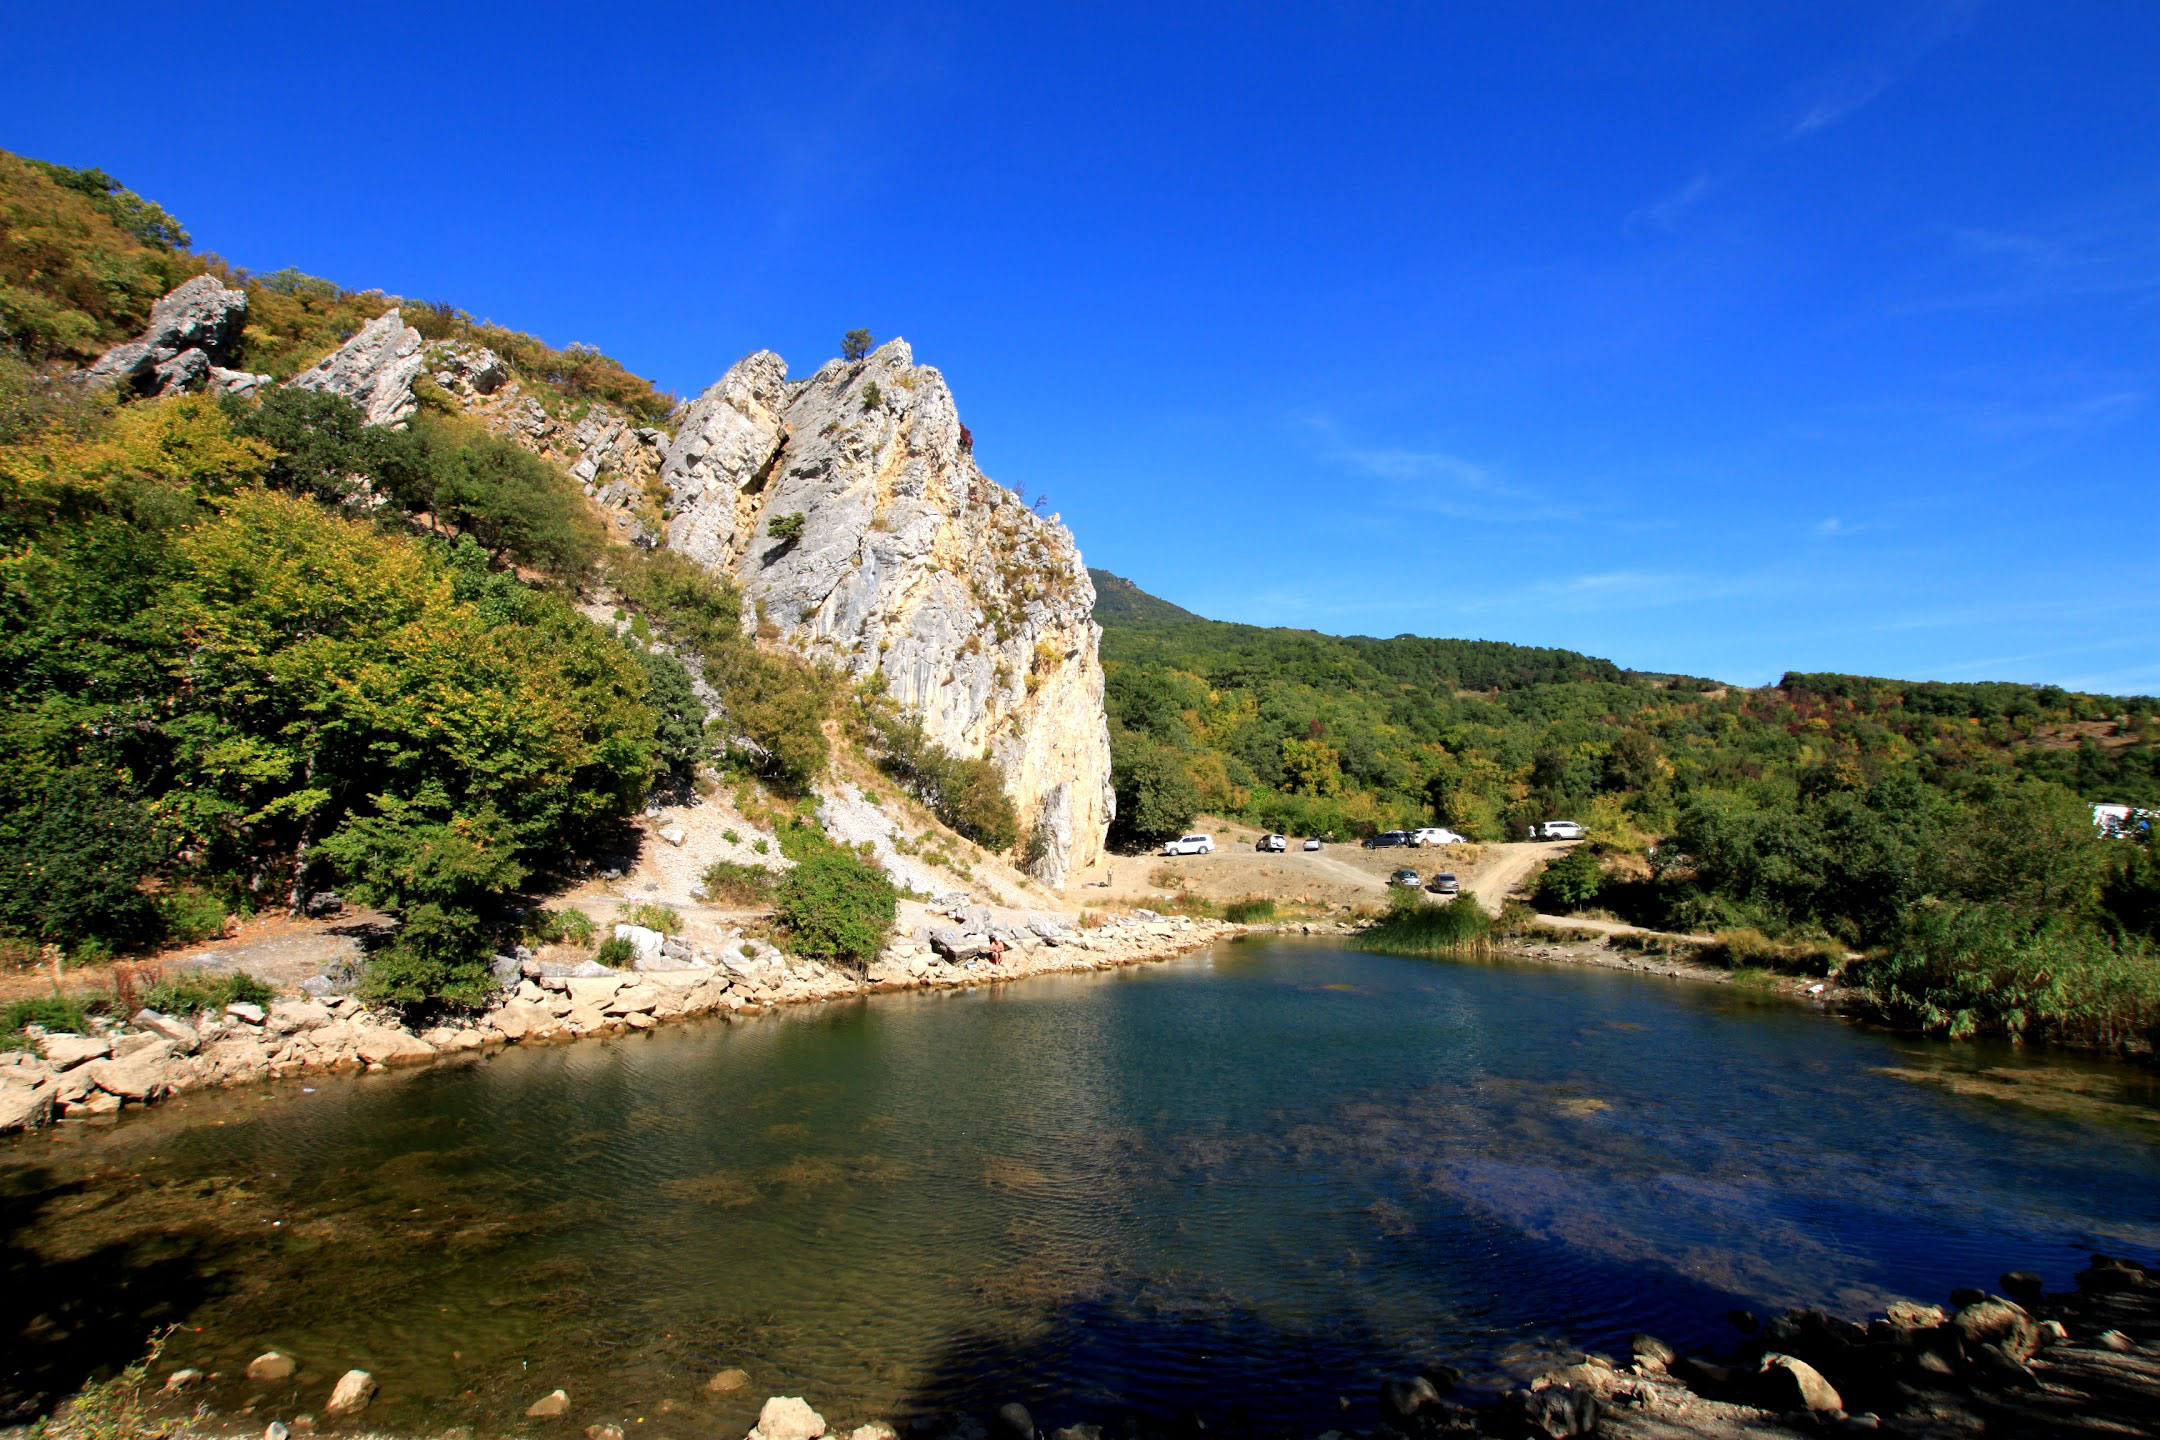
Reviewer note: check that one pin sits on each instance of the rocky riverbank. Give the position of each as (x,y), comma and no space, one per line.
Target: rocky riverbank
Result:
(153,1055)
(2024,1363)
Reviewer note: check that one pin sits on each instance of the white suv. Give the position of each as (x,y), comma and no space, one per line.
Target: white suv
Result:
(1275,843)
(1562,830)
(1191,845)
(1436,836)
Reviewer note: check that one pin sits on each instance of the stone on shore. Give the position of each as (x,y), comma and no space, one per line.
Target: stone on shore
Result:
(25,1107)
(272,1365)
(551,1406)
(788,1417)
(139,1077)
(355,1388)
(1996,1321)
(184,1038)
(1789,1384)
(65,1052)
(383,1045)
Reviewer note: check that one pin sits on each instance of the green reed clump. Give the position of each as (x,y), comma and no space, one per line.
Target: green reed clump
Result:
(1969,970)
(1249,912)
(1414,927)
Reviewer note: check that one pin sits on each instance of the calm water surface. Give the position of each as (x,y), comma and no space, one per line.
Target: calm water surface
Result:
(1262,1176)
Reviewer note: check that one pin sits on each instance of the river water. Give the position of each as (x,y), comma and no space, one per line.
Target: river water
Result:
(1246,1183)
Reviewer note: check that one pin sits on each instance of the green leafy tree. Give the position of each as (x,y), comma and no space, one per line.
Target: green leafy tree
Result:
(855,345)
(1155,794)
(1571,881)
(836,906)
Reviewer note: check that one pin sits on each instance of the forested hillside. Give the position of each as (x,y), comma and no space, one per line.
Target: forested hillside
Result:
(1945,827)
(251,645)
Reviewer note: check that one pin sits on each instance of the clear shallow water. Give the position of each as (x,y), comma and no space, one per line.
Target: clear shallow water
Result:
(1259,1178)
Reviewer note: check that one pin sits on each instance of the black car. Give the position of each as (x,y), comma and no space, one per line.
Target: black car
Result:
(1387,839)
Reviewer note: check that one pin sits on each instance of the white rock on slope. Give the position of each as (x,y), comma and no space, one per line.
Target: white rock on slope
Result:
(912,564)
(189,328)
(375,369)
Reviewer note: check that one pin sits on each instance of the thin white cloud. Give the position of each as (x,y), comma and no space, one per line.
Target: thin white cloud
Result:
(1843,98)
(1396,464)
(1664,213)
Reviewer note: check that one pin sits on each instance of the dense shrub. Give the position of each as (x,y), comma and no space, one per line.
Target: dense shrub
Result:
(1249,912)
(195,992)
(1156,798)
(1985,969)
(836,906)
(189,915)
(1570,881)
(53,1012)
(788,528)
(1414,927)
(968,794)
(616,953)
(82,259)
(560,927)
(652,916)
(776,704)
(730,882)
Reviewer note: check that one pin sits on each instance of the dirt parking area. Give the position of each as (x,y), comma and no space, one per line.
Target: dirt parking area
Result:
(1333,878)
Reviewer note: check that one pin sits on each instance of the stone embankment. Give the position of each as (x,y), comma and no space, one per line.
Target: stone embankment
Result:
(153,1055)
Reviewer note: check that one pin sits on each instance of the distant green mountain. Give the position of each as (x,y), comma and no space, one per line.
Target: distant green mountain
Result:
(1120,602)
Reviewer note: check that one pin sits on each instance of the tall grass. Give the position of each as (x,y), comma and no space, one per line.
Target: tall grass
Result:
(1413,927)
(1971,970)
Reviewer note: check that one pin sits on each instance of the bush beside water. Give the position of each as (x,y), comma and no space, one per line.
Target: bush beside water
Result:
(1413,927)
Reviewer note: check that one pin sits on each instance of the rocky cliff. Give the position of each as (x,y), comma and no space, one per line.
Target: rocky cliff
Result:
(908,563)
(893,555)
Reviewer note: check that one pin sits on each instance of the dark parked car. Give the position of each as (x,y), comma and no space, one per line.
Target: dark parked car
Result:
(1444,884)
(1387,839)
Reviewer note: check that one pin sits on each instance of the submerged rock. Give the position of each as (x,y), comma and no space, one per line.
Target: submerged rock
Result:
(272,1365)
(354,1389)
(551,1406)
(727,1382)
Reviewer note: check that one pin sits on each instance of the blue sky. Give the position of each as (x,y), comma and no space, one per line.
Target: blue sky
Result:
(1713,338)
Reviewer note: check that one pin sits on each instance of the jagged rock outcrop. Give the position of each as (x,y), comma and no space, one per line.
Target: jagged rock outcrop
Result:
(375,369)
(910,564)
(613,457)
(190,330)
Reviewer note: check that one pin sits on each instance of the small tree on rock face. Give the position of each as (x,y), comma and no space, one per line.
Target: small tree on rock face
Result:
(856,344)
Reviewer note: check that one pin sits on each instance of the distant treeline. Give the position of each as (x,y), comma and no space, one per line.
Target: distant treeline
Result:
(1909,819)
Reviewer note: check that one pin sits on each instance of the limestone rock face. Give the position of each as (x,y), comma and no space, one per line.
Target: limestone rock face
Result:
(912,564)
(189,328)
(375,369)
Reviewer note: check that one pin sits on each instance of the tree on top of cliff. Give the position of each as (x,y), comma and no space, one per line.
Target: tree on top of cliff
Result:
(856,344)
